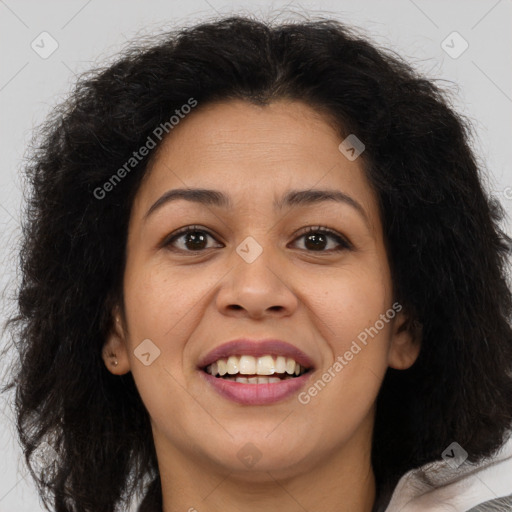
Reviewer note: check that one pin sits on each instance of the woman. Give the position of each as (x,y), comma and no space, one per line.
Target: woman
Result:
(261,272)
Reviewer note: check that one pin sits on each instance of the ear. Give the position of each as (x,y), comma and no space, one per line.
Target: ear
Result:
(115,353)
(405,343)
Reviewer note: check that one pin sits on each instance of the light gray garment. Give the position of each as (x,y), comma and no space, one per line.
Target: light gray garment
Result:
(448,486)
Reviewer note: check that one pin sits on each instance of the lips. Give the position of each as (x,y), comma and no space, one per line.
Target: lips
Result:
(263,391)
(256,348)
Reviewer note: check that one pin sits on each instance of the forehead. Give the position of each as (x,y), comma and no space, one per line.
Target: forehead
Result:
(237,130)
(254,154)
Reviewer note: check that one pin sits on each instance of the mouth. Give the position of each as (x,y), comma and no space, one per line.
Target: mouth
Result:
(247,369)
(256,372)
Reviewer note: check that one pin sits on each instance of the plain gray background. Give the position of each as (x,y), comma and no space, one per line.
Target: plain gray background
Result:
(90,32)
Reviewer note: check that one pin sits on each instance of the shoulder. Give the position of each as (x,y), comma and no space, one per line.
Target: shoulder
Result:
(496,505)
(448,486)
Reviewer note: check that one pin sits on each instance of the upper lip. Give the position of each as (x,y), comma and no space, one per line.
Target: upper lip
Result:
(256,348)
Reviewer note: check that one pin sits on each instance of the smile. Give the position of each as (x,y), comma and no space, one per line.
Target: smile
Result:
(256,372)
(248,369)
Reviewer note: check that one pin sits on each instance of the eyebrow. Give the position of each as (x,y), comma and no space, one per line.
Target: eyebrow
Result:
(292,198)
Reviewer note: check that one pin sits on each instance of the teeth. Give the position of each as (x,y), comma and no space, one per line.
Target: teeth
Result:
(249,365)
(290,366)
(222,367)
(280,364)
(268,380)
(266,365)
(232,365)
(258,380)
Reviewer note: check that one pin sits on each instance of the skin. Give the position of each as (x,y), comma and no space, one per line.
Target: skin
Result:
(313,456)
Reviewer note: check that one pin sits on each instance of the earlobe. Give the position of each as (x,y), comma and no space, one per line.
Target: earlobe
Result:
(406,342)
(114,352)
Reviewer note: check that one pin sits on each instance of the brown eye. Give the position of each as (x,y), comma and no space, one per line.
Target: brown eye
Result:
(316,239)
(192,239)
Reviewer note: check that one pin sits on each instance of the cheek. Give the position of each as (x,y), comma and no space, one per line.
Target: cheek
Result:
(349,301)
(356,319)
(160,301)
(162,306)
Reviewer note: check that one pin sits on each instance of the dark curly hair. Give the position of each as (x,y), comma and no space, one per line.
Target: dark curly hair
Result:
(447,252)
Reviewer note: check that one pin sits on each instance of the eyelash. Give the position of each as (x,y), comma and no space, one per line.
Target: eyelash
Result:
(345,245)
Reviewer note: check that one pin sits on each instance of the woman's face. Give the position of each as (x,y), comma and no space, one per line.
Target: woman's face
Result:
(249,270)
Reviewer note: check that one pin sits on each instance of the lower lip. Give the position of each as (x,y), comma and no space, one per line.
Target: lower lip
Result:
(256,394)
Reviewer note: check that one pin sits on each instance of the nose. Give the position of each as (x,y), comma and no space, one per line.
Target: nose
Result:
(257,289)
